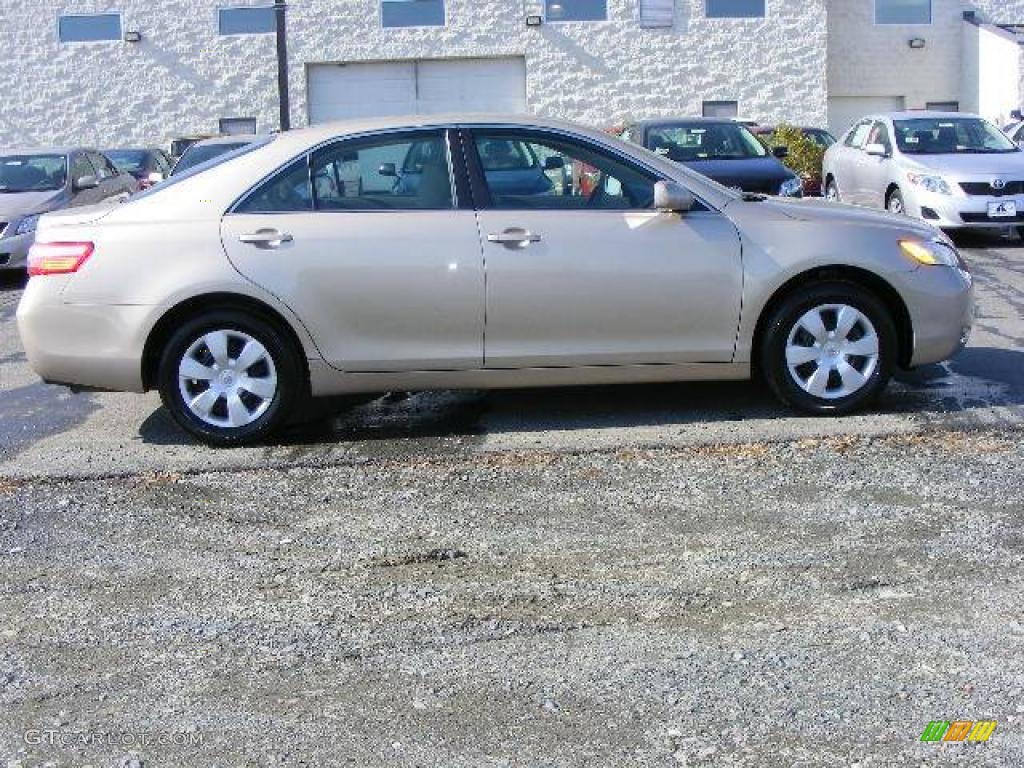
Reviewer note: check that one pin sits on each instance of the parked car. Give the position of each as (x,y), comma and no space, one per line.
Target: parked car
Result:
(207,149)
(236,290)
(37,181)
(179,145)
(1016,133)
(149,166)
(952,169)
(806,148)
(720,149)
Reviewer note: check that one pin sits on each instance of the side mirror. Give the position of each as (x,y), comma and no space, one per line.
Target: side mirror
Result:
(876,150)
(85,182)
(554,163)
(673,198)
(388,169)
(780,152)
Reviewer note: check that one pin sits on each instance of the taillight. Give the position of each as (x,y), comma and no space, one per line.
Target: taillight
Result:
(57,258)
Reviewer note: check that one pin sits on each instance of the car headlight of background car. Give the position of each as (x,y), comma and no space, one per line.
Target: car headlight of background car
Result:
(933,253)
(791,188)
(28,224)
(930,183)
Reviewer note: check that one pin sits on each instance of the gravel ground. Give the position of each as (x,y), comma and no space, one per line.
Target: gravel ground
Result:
(753,604)
(642,576)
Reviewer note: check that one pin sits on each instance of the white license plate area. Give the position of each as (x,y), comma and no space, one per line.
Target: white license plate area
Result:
(1004,209)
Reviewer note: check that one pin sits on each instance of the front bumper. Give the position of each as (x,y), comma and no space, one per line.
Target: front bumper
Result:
(14,251)
(87,345)
(960,211)
(940,301)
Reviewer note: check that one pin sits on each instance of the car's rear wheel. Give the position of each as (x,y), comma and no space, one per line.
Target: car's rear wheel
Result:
(832,191)
(829,350)
(895,203)
(230,378)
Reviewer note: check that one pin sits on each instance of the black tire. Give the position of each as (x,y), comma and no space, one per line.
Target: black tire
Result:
(894,201)
(783,321)
(832,191)
(291,386)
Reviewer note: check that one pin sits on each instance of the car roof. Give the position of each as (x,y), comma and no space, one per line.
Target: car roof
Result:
(687,121)
(247,138)
(911,114)
(45,150)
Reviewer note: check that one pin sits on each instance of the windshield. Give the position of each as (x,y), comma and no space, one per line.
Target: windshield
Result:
(712,141)
(198,154)
(820,137)
(128,160)
(950,136)
(32,173)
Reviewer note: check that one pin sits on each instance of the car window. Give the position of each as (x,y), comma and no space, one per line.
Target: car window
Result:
(32,173)
(287,192)
(404,172)
(948,136)
(103,168)
(80,166)
(554,173)
(859,134)
(880,135)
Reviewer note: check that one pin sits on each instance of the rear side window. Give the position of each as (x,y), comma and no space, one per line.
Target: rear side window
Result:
(404,172)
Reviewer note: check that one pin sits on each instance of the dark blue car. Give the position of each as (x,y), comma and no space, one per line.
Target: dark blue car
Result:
(722,150)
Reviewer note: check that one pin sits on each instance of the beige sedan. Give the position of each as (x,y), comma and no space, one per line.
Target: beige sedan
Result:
(466,252)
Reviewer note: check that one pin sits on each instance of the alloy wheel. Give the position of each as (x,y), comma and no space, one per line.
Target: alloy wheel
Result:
(832,351)
(227,379)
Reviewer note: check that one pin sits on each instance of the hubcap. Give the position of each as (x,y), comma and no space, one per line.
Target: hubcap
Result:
(227,379)
(895,204)
(831,193)
(832,351)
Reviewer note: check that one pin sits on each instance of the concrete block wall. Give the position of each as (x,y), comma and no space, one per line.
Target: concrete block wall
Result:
(183,76)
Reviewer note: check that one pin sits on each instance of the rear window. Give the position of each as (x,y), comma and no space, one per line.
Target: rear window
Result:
(199,154)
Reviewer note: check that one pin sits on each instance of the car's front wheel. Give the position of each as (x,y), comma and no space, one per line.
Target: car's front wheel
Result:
(895,203)
(230,378)
(829,350)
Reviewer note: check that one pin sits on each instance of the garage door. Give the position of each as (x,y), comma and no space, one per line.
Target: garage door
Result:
(345,91)
(844,111)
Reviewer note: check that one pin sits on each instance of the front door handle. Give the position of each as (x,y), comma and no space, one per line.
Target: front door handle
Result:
(266,238)
(514,238)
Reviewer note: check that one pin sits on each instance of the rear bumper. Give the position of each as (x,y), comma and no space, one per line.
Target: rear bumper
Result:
(89,346)
(14,251)
(941,305)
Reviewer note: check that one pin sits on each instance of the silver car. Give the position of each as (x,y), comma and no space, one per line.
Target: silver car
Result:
(36,181)
(951,169)
(406,255)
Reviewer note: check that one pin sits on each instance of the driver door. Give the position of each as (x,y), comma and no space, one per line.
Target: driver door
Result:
(582,271)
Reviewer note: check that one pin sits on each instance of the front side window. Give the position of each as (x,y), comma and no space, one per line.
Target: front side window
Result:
(576,10)
(247,21)
(704,141)
(903,11)
(89,28)
(858,134)
(523,171)
(33,173)
(81,167)
(412,13)
(734,9)
(411,172)
(941,136)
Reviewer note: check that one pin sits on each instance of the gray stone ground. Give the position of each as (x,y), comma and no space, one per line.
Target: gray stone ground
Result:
(683,575)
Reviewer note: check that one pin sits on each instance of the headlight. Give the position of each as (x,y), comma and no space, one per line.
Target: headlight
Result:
(791,188)
(28,224)
(932,253)
(930,183)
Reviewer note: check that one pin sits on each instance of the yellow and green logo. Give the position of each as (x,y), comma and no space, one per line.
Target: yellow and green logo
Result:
(958,730)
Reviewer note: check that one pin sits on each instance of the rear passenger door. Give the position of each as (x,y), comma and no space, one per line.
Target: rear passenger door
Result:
(375,248)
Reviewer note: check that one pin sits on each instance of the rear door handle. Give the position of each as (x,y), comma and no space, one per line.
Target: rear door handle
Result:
(266,238)
(514,238)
